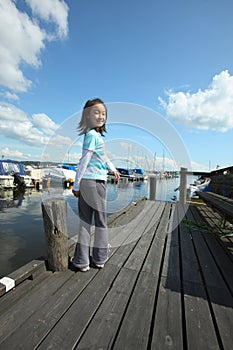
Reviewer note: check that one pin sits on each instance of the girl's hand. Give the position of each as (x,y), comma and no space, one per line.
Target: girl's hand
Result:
(117,175)
(76,193)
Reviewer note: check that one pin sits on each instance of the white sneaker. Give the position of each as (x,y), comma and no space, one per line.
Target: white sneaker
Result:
(84,269)
(99,266)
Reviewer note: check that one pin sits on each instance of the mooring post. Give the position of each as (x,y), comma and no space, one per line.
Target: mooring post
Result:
(152,187)
(55,226)
(183,185)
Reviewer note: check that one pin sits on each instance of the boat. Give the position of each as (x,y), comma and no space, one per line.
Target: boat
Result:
(69,172)
(56,176)
(126,173)
(202,184)
(139,174)
(12,175)
(6,181)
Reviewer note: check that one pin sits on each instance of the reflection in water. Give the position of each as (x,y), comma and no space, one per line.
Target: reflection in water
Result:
(21,238)
(13,198)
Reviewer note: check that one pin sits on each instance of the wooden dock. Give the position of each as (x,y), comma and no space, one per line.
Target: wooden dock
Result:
(167,285)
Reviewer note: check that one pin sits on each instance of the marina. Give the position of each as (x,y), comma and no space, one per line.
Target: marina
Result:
(167,284)
(116,175)
(21,226)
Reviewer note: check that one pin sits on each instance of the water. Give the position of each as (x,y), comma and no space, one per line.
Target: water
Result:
(21,223)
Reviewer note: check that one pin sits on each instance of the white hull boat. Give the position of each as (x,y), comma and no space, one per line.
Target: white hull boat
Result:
(12,174)
(6,181)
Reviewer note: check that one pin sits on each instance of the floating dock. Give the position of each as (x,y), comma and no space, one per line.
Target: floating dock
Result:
(168,284)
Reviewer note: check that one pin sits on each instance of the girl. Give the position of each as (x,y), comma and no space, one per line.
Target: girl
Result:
(90,186)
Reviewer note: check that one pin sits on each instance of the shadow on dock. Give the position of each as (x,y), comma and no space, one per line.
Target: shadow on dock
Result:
(167,285)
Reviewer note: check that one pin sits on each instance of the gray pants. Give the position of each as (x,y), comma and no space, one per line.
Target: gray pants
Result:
(92,205)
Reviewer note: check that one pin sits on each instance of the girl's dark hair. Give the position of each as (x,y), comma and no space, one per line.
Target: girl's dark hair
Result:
(83,125)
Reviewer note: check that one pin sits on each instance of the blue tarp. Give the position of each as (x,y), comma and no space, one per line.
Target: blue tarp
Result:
(9,167)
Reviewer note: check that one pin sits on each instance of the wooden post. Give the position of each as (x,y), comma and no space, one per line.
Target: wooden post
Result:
(152,187)
(55,227)
(183,185)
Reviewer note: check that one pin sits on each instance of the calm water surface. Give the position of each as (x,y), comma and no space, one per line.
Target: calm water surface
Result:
(21,223)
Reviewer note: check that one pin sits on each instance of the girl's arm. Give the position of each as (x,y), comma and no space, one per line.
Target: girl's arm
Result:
(112,168)
(82,165)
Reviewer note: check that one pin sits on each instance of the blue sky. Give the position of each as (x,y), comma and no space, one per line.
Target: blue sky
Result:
(170,58)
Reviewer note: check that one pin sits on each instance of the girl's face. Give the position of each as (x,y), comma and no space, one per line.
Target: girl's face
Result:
(97,115)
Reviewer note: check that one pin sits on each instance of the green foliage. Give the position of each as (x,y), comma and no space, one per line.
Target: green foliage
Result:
(205,228)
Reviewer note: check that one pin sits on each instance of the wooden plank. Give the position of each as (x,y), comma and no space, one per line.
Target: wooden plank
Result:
(139,253)
(197,314)
(72,325)
(133,232)
(2,289)
(135,328)
(29,270)
(102,329)
(144,221)
(219,296)
(141,305)
(24,308)
(215,221)
(129,232)
(227,242)
(45,317)
(154,256)
(219,202)
(190,267)
(171,264)
(122,216)
(219,255)
(167,325)
(200,331)
(167,322)
(14,296)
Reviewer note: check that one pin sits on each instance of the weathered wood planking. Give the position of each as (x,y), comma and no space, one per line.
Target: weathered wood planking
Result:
(167,323)
(218,294)
(199,328)
(214,220)
(220,203)
(137,322)
(130,243)
(165,286)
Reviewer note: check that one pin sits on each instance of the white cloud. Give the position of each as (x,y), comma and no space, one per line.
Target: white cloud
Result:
(14,154)
(209,109)
(22,39)
(55,11)
(9,112)
(11,96)
(15,124)
(44,123)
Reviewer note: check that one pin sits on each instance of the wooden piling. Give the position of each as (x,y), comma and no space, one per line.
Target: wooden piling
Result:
(183,185)
(152,187)
(55,226)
